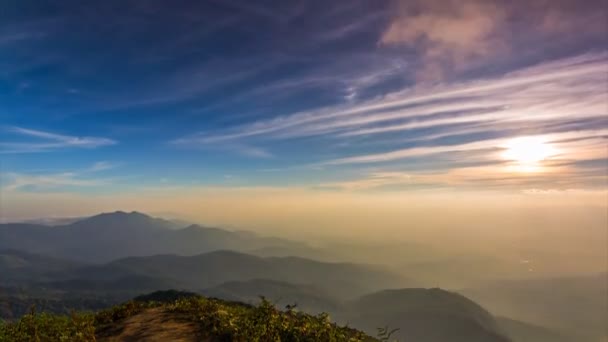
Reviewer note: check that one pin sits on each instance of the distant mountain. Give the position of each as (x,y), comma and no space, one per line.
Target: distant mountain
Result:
(573,306)
(304,251)
(123,286)
(135,275)
(429,315)
(111,236)
(212,269)
(16,302)
(421,315)
(17,267)
(525,332)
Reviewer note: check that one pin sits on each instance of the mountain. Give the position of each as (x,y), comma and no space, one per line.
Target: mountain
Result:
(17,267)
(18,301)
(198,272)
(420,314)
(315,287)
(572,306)
(525,332)
(429,315)
(217,271)
(111,236)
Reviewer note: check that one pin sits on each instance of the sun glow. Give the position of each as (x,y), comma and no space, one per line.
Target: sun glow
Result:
(528,152)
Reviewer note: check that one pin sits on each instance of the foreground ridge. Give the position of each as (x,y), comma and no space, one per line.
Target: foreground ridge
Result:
(177,316)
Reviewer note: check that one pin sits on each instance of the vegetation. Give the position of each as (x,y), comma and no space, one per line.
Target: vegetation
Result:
(43,327)
(215,320)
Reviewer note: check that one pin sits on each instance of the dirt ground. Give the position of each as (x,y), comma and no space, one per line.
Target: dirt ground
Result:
(152,325)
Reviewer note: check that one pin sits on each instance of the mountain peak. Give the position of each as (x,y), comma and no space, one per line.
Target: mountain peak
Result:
(133,221)
(124,214)
(119,217)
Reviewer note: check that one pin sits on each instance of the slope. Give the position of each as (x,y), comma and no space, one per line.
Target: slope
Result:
(429,315)
(186,319)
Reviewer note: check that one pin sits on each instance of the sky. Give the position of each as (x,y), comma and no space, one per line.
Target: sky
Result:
(259,113)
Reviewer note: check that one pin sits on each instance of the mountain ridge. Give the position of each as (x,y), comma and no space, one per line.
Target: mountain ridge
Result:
(109,236)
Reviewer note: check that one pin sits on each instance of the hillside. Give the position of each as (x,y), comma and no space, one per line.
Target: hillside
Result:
(430,315)
(17,267)
(109,236)
(191,318)
(308,298)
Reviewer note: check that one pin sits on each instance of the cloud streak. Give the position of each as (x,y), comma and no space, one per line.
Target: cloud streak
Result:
(530,94)
(47,141)
(560,101)
(20,181)
(84,178)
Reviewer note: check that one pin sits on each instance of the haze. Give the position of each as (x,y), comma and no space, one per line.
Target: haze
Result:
(458,144)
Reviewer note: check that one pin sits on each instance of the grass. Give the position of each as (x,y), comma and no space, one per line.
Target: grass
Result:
(216,320)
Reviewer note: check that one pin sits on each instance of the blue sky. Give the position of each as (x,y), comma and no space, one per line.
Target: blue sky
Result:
(108,96)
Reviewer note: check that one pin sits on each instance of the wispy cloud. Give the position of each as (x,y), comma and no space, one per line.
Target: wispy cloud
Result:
(549,92)
(589,146)
(555,90)
(101,166)
(562,102)
(496,174)
(247,150)
(251,151)
(20,181)
(83,178)
(46,141)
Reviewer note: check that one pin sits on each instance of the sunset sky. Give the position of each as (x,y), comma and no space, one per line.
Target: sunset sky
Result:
(205,107)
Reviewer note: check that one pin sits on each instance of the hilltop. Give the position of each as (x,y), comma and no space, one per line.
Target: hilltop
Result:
(175,316)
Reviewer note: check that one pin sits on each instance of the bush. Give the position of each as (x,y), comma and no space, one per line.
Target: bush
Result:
(44,327)
(220,320)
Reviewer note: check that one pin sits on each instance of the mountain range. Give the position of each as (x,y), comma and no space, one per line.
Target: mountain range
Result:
(102,260)
(310,286)
(112,236)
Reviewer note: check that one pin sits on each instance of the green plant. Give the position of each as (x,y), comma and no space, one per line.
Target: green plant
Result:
(220,320)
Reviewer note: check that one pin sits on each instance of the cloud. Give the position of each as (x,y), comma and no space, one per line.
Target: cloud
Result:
(372,181)
(101,166)
(197,142)
(251,151)
(15,181)
(590,146)
(549,91)
(453,35)
(20,181)
(491,175)
(47,141)
(559,101)
(448,34)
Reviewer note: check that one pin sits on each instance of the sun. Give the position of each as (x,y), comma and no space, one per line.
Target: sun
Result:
(528,152)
